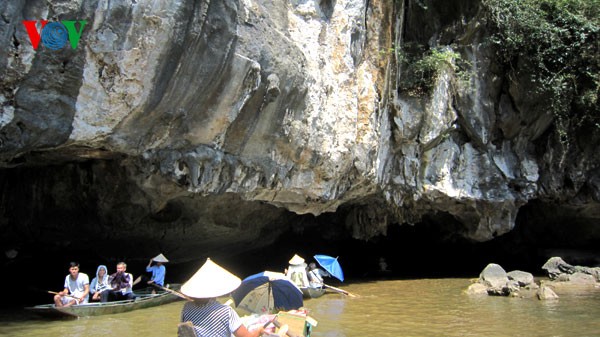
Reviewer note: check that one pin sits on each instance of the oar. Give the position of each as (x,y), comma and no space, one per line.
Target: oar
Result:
(55,293)
(175,292)
(340,290)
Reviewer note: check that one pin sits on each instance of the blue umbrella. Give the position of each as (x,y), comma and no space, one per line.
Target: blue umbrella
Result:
(267,291)
(331,265)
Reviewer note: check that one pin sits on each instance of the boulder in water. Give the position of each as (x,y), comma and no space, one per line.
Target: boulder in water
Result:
(493,276)
(546,293)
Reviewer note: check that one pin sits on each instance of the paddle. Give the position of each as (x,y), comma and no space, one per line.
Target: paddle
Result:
(175,292)
(55,293)
(340,290)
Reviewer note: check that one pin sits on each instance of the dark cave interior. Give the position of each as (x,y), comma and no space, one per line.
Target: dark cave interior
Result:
(429,249)
(419,251)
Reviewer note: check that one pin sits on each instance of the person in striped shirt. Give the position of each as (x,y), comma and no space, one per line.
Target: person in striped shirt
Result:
(209,317)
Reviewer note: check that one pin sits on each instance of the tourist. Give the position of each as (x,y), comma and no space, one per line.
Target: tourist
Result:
(76,288)
(209,317)
(315,275)
(121,283)
(99,283)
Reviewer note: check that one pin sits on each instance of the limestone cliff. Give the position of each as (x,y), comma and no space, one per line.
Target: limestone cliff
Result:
(198,125)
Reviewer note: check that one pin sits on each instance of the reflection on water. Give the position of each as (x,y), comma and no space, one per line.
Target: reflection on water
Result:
(427,307)
(158,321)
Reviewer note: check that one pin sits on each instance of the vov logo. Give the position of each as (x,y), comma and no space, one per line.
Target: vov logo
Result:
(54,35)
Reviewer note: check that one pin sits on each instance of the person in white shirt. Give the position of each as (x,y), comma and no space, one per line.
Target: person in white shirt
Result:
(76,289)
(296,272)
(315,275)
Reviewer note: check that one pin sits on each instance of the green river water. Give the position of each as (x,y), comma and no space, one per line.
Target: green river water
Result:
(420,307)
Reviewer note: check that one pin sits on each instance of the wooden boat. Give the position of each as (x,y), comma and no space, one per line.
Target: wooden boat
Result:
(144,299)
(310,292)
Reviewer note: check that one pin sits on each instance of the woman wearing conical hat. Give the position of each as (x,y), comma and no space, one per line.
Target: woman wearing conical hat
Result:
(158,271)
(297,271)
(209,317)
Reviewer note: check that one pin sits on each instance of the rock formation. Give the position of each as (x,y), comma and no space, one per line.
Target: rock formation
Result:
(199,125)
(495,281)
(559,270)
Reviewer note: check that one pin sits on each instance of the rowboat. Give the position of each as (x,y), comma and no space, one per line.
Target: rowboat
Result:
(144,299)
(311,292)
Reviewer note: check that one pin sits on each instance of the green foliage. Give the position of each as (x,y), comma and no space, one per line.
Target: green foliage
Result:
(422,67)
(555,41)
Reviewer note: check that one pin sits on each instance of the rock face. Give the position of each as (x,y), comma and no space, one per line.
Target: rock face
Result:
(223,120)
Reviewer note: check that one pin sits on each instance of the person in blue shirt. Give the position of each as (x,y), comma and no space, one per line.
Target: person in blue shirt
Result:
(158,271)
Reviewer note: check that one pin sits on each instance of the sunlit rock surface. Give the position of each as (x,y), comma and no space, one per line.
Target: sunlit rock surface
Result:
(199,125)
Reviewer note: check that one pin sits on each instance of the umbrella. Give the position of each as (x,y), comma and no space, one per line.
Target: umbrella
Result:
(332,265)
(267,291)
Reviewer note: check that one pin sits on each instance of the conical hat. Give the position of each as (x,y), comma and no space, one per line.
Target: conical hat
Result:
(211,280)
(296,260)
(160,258)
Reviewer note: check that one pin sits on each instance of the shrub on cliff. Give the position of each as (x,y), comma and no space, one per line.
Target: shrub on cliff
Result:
(556,42)
(422,66)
